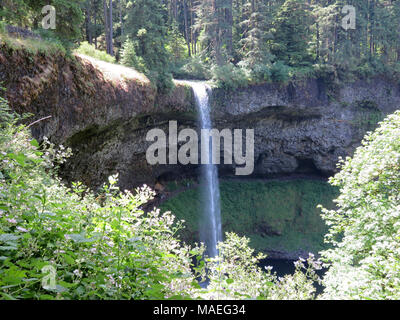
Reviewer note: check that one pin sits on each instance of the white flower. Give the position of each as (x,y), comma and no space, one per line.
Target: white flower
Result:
(78,273)
(22,229)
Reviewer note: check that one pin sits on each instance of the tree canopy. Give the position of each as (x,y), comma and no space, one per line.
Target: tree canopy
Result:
(244,41)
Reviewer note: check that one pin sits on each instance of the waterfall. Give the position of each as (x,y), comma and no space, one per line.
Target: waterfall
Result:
(210,226)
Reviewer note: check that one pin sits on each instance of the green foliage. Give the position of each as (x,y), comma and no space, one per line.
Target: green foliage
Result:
(45,46)
(193,68)
(172,186)
(250,41)
(365,229)
(68,243)
(256,72)
(229,76)
(280,72)
(130,58)
(213,20)
(100,246)
(176,46)
(68,17)
(28,13)
(291,33)
(254,50)
(89,50)
(275,215)
(14,11)
(235,274)
(147,28)
(2,27)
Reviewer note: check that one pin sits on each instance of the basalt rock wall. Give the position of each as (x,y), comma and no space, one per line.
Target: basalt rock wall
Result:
(103,112)
(304,127)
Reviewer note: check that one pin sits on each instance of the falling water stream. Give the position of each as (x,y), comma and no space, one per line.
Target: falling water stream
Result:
(210,226)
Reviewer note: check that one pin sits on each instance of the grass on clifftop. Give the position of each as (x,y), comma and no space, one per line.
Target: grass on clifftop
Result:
(276,215)
(33,46)
(88,49)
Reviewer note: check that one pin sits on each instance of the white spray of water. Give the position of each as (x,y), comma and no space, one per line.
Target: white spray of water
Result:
(210,228)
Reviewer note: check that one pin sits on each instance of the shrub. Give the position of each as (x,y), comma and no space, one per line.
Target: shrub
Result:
(256,73)
(68,243)
(365,228)
(194,68)
(159,75)
(280,72)
(260,73)
(304,72)
(45,45)
(235,274)
(94,246)
(90,50)
(176,46)
(130,58)
(162,79)
(2,27)
(229,76)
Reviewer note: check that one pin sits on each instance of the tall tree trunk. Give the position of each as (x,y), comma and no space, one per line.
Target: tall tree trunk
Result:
(217,27)
(228,28)
(120,19)
(335,38)
(106,26)
(88,24)
(192,31)
(111,29)
(174,9)
(185,11)
(95,24)
(318,42)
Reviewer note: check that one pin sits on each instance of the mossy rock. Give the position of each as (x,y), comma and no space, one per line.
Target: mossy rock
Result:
(276,215)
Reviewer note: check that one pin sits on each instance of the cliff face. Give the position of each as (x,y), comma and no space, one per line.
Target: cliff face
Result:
(104,112)
(305,127)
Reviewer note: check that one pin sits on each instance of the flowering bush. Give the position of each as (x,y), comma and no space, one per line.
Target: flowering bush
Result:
(67,243)
(235,274)
(365,228)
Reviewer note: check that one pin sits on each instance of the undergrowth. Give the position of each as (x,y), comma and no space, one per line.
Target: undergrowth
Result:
(69,243)
(276,215)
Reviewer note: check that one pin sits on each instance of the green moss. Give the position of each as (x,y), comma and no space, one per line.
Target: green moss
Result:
(368,115)
(367,105)
(276,215)
(173,186)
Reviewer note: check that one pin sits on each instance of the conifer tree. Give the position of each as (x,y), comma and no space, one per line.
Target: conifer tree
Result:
(146,26)
(291,34)
(254,49)
(215,20)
